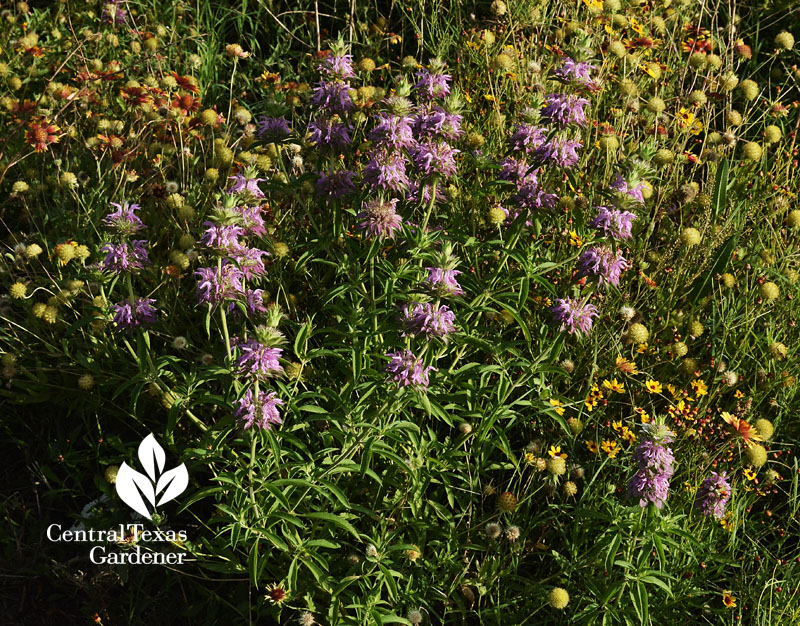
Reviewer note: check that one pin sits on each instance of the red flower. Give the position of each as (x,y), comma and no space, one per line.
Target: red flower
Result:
(41,134)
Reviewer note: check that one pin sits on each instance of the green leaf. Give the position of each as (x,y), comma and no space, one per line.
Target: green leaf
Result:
(719,196)
(336,520)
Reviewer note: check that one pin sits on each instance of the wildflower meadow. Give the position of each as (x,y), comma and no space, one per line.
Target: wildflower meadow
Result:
(425,312)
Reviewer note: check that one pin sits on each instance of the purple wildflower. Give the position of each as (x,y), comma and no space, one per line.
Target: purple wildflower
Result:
(386,171)
(329,134)
(534,197)
(565,109)
(603,263)
(139,314)
(443,282)
(422,318)
(332,97)
(243,184)
(432,85)
(560,152)
(122,258)
(257,360)
(406,369)
(338,65)
(577,72)
(253,302)
(124,220)
(113,13)
(517,171)
(435,158)
(249,261)
(261,412)
(273,128)
(527,138)
(613,222)
(436,123)
(655,461)
(380,218)
(713,495)
(251,219)
(216,285)
(620,185)
(224,238)
(575,315)
(335,184)
(394,132)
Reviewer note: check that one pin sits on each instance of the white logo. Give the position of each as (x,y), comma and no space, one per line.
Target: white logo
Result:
(136,489)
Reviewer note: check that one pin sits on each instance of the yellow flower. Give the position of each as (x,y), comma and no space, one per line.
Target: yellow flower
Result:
(617,425)
(575,239)
(557,405)
(685,117)
(749,474)
(614,385)
(594,4)
(627,435)
(489,97)
(635,26)
(650,70)
(738,394)
(643,415)
(592,446)
(611,448)
(626,366)
(555,451)
(728,600)
(530,458)
(653,386)
(673,391)
(699,387)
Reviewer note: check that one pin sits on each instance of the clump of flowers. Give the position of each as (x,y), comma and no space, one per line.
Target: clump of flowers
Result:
(655,461)
(713,495)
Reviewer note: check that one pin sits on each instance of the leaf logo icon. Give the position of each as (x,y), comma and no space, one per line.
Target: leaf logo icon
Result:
(141,492)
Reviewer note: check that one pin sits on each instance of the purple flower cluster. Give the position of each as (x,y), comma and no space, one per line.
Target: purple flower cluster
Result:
(226,283)
(620,185)
(380,218)
(432,84)
(655,466)
(335,184)
(120,257)
(133,315)
(577,72)
(575,316)
(443,281)
(124,220)
(423,318)
(260,411)
(113,13)
(329,133)
(565,109)
(602,263)
(560,152)
(406,369)
(244,184)
(713,495)
(529,194)
(222,237)
(273,128)
(613,223)
(527,138)
(257,361)
(433,158)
